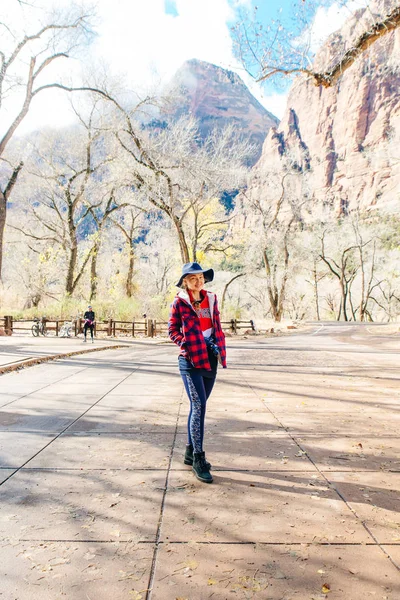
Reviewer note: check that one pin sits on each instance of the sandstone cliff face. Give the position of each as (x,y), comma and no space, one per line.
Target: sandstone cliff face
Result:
(346,138)
(217,97)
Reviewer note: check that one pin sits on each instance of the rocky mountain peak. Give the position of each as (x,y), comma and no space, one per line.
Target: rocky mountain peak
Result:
(217,97)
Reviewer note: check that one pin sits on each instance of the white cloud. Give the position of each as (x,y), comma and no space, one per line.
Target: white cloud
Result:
(140,40)
(327,20)
(145,46)
(275,103)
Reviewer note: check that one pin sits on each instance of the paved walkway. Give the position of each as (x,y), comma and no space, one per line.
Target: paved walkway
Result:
(17,349)
(302,432)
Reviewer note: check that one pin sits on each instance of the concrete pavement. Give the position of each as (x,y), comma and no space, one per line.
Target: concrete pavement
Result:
(17,350)
(302,433)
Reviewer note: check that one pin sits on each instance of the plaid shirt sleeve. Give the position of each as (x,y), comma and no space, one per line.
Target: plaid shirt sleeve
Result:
(175,325)
(219,334)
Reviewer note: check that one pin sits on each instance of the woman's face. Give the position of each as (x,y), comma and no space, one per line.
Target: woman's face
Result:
(195,283)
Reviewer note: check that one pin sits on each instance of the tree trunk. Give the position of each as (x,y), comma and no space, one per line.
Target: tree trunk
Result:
(73,257)
(4,196)
(93,271)
(3,209)
(272,293)
(226,289)
(316,297)
(129,277)
(182,240)
(344,299)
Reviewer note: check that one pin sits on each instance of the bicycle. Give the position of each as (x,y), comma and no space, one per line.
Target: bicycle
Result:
(39,327)
(66,329)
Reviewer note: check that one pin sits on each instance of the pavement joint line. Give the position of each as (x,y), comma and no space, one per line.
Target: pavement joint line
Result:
(161,516)
(332,486)
(182,470)
(59,380)
(190,542)
(77,372)
(65,429)
(42,388)
(43,359)
(233,470)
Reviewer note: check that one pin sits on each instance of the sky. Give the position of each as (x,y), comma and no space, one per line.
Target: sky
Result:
(144,42)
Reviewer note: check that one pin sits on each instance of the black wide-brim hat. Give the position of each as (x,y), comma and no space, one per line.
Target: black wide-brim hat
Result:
(194,268)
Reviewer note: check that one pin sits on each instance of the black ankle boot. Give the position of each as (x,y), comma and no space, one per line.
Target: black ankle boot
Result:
(200,468)
(188,460)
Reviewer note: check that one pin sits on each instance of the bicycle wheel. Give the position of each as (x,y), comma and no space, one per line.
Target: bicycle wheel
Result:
(44,330)
(35,329)
(69,331)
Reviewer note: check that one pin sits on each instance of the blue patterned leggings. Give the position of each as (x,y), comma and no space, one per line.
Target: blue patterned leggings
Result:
(198,389)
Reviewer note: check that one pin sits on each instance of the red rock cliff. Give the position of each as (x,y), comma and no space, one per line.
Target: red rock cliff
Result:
(346,137)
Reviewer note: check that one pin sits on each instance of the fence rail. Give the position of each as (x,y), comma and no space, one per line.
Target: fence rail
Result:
(234,324)
(111,327)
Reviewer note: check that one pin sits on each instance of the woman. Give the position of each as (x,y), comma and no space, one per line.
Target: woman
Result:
(89,317)
(195,326)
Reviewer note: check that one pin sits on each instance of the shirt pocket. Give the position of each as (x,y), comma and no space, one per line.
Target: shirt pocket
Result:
(188,323)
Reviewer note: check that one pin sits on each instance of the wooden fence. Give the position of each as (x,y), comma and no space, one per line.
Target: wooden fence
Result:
(110,327)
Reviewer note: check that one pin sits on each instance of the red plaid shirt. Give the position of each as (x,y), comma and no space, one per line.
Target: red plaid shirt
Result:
(184,329)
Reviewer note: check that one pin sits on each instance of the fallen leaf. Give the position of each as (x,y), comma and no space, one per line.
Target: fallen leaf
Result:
(320,571)
(212,581)
(326,588)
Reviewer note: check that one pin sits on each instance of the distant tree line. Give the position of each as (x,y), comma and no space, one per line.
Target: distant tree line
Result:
(107,210)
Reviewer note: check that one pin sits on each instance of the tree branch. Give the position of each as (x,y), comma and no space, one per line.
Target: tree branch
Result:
(329,78)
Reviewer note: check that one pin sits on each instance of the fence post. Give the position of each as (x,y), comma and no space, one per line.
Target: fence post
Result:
(133,327)
(154,328)
(109,327)
(113,328)
(80,325)
(252,324)
(8,325)
(233,325)
(146,327)
(56,328)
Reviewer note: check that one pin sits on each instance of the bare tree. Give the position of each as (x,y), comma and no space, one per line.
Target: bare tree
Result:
(389,297)
(70,175)
(345,269)
(272,50)
(180,177)
(101,213)
(25,58)
(226,286)
(278,213)
(367,261)
(316,278)
(129,222)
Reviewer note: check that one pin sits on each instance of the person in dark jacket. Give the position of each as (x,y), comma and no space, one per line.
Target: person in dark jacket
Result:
(194,325)
(89,317)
